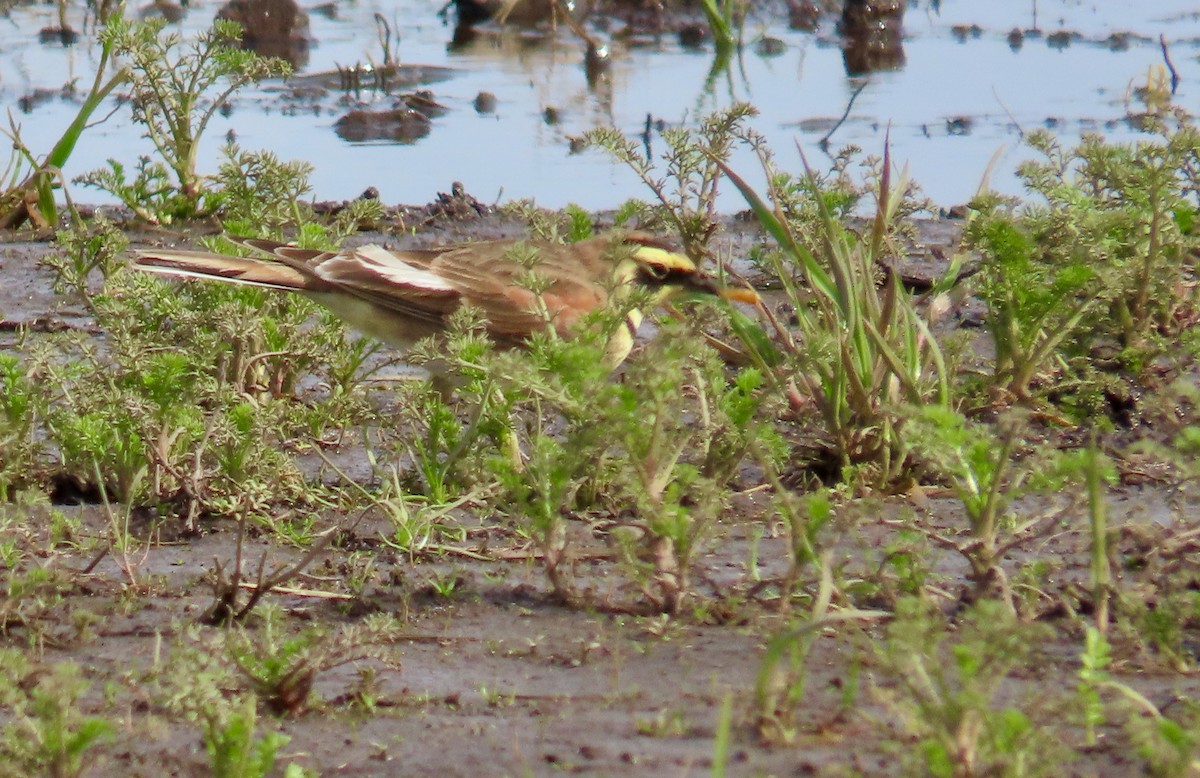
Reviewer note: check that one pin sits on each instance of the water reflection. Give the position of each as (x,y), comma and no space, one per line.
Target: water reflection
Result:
(273,28)
(999,71)
(872,32)
(167,10)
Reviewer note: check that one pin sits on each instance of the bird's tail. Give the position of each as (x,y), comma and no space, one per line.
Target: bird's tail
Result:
(218,267)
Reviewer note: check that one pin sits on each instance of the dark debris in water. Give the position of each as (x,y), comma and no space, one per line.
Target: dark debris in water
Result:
(693,36)
(872,36)
(769,47)
(965,32)
(1062,39)
(524,13)
(38,97)
(357,78)
(959,125)
(62,36)
(172,13)
(406,122)
(803,15)
(485,103)
(402,125)
(423,101)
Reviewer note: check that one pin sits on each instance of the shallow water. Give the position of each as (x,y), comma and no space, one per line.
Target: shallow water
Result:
(949,73)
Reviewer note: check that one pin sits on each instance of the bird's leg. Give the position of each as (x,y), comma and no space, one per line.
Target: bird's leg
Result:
(511,442)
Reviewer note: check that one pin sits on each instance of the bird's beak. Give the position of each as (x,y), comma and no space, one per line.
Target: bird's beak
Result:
(739,294)
(703,285)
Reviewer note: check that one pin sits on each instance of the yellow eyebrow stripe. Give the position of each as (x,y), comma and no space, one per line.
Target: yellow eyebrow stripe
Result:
(663,258)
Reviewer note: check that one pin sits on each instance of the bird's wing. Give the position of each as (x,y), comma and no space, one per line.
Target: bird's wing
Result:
(399,281)
(488,277)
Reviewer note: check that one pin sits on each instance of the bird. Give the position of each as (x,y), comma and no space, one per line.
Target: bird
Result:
(520,286)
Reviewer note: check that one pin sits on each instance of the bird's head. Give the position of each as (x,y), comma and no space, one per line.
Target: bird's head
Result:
(652,265)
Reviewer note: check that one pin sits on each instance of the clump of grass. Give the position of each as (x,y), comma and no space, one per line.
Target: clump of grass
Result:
(135,419)
(22,409)
(29,196)
(1033,308)
(195,687)
(270,662)
(988,477)
(282,668)
(864,350)
(87,252)
(32,591)
(192,420)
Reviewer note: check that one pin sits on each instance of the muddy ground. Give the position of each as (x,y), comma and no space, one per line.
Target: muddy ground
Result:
(497,678)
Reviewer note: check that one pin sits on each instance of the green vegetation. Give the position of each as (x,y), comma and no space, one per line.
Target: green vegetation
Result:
(685,197)
(1115,237)
(45,733)
(175,95)
(27,183)
(862,353)
(945,695)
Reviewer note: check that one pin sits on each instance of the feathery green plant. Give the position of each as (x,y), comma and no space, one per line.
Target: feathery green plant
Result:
(177,89)
(45,732)
(1103,262)
(685,190)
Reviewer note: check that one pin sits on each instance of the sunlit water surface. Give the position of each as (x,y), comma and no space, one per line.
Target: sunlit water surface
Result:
(800,93)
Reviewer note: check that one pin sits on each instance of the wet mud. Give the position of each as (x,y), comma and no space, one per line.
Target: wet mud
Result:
(496,677)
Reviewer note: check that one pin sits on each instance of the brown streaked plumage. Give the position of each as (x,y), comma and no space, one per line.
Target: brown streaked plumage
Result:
(402,296)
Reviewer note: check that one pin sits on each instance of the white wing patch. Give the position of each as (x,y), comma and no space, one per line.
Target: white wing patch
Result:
(378,262)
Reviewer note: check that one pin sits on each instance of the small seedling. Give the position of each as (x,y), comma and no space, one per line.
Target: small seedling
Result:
(45,732)
(944,690)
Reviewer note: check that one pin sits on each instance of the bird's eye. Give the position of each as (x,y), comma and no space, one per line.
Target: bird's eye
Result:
(655,272)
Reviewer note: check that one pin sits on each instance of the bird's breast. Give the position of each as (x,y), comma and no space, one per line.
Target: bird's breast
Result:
(380,323)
